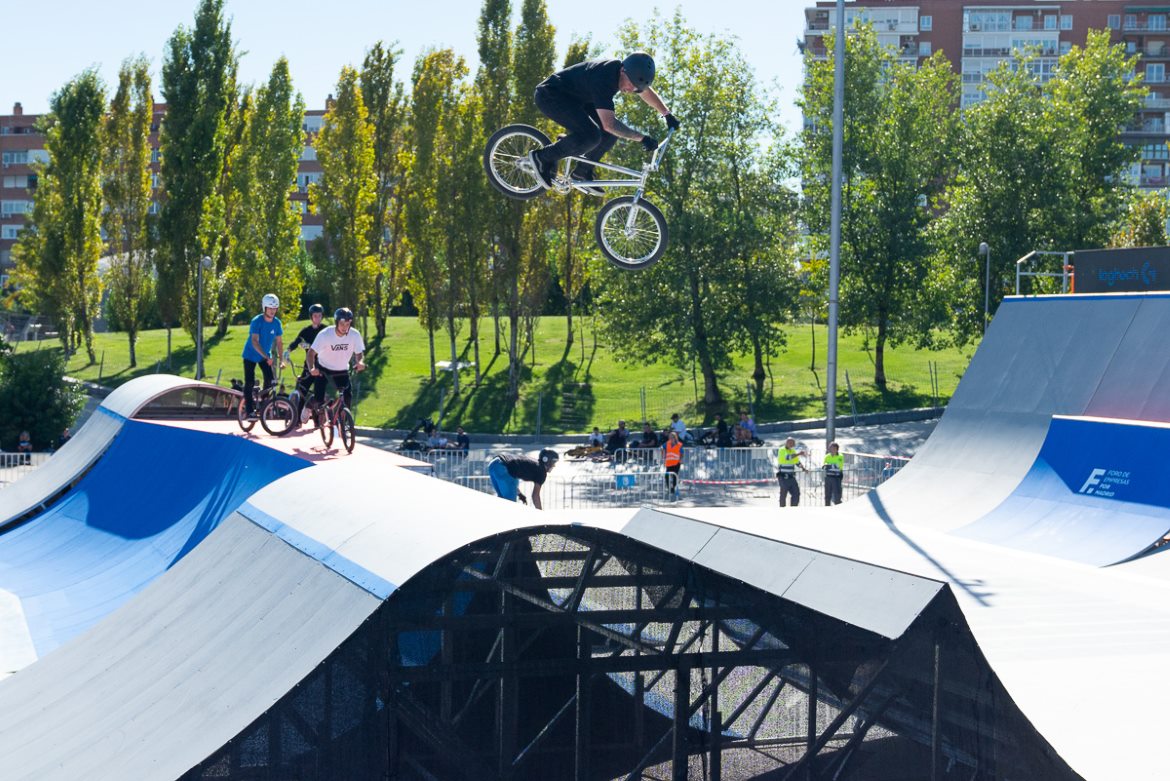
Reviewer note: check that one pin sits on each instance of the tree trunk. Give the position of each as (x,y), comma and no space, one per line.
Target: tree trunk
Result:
(760,374)
(513,356)
(133,336)
(379,311)
(711,395)
(431,344)
(812,327)
(475,344)
(454,355)
(168,346)
(879,355)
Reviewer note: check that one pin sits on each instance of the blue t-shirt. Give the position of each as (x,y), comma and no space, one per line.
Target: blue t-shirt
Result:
(268,331)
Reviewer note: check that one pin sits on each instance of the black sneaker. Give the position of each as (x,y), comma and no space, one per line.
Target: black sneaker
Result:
(544,171)
(583,180)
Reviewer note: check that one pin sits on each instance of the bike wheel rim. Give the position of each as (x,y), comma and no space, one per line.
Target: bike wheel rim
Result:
(637,244)
(510,162)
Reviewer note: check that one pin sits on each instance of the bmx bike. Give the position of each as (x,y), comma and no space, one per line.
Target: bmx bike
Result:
(630,230)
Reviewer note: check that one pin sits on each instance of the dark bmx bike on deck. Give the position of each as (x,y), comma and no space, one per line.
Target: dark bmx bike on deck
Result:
(630,230)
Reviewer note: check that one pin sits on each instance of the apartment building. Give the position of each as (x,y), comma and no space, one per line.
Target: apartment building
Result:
(976,37)
(21,146)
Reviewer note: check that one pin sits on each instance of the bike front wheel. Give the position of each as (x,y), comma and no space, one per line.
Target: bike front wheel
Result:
(631,234)
(277,416)
(505,159)
(327,424)
(348,430)
(242,417)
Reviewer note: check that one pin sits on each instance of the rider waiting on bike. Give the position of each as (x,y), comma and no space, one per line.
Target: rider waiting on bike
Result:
(580,99)
(264,330)
(305,339)
(330,355)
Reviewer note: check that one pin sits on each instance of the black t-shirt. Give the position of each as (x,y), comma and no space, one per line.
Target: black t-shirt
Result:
(307,335)
(593,82)
(524,468)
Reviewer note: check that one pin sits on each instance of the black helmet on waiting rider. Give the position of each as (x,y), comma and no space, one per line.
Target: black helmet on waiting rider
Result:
(316,309)
(639,69)
(344,313)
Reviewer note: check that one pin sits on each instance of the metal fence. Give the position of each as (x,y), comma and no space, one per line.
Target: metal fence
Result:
(14,466)
(715,477)
(26,328)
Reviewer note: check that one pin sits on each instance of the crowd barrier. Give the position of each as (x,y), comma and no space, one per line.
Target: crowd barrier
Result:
(14,466)
(715,477)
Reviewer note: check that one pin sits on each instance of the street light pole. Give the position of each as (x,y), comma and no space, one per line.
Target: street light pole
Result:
(835,225)
(985,251)
(203,262)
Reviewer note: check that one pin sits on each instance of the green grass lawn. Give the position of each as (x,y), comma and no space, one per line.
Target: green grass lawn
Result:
(569,388)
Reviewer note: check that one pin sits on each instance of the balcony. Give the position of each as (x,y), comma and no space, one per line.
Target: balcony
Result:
(1157,102)
(1150,127)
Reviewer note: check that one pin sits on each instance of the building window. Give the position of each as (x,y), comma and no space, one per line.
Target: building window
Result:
(15,207)
(1114,22)
(1050,22)
(310,232)
(16,182)
(10,231)
(1156,21)
(926,23)
(38,155)
(924,49)
(153,207)
(1155,72)
(155,156)
(1065,47)
(1131,21)
(1066,21)
(1131,47)
(15,158)
(1023,23)
(308,153)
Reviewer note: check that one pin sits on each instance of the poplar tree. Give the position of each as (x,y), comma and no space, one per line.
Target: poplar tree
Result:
(199,88)
(127,188)
(387,110)
(58,260)
(270,151)
(345,194)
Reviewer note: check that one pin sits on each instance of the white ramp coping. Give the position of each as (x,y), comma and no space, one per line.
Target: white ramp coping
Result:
(78,454)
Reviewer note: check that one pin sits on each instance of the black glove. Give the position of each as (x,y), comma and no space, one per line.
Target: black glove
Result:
(523,499)
(649,143)
(671,122)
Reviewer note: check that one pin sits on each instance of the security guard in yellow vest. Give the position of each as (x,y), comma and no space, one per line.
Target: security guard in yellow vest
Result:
(834,469)
(787,462)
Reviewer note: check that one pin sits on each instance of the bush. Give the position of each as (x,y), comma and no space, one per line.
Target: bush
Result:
(35,397)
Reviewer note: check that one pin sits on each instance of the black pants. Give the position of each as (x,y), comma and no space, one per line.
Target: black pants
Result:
(340,381)
(833,489)
(672,478)
(585,137)
(788,488)
(250,380)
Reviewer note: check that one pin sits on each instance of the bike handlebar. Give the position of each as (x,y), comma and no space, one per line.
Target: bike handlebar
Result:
(659,150)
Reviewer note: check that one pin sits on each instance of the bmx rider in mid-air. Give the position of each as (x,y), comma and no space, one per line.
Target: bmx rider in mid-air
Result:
(580,99)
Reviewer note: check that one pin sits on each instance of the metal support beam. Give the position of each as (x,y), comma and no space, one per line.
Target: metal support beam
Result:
(581,743)
(935,726)
(682,701)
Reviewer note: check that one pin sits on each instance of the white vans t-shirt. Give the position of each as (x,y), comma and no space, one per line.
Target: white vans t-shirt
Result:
(334,351)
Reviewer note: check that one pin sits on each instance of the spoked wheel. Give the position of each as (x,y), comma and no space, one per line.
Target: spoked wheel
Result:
(326,428)
(242,416)
(631,235)
(506,161)
(348,430)
(277,416)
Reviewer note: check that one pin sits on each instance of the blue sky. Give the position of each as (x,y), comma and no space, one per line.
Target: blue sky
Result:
(60,38)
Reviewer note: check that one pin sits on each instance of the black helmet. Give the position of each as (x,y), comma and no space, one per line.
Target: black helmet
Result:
(316,309)
(344,313)
(639,68)
(548,458)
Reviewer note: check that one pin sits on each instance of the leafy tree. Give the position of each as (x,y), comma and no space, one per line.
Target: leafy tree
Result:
(1040,168)
(1144,224)
(387,109)
(469,194)
(688,309)
(127,188)
(345,194)
(58,255)
(199,87)
(271,146)
(239,244)
(898,146)
(35,396)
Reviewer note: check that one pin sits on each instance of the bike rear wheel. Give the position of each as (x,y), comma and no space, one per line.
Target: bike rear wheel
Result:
(278,416)
(327,424)
(632,235)
(505,159)
(348,430)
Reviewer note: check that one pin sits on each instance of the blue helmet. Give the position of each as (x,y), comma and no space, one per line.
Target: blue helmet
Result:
(316,309)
